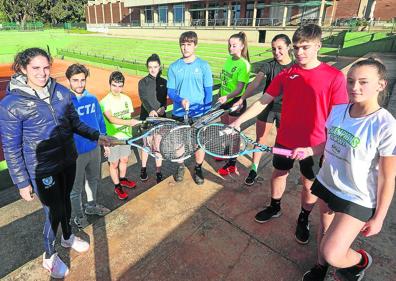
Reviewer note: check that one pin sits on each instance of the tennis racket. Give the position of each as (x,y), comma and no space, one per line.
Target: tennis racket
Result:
(179,143)
(151,141)
(213,114)
(223,141)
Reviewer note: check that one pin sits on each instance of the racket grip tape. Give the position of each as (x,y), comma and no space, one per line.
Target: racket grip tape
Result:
(118,142)
(285,152)
(282,151)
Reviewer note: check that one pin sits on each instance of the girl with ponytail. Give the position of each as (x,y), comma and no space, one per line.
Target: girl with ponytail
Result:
(234,79)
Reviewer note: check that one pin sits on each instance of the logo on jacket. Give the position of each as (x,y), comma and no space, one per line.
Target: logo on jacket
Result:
(48,182)
(30,104)
(293,76)
(59,95)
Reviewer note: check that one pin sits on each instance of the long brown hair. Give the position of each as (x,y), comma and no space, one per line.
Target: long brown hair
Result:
(242,37)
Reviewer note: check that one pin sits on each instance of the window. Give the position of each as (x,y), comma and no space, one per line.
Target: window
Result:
(163,14)
(148,12)
(178,13)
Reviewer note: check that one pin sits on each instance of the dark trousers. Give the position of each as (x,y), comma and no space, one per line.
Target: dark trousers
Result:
(54,194)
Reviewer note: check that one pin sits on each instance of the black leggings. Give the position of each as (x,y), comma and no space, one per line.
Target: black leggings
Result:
(54,194)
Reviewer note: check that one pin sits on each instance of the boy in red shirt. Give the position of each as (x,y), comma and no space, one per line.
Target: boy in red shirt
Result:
(309,88)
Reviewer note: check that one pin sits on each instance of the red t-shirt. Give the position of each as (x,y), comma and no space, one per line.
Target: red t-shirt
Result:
(308,96)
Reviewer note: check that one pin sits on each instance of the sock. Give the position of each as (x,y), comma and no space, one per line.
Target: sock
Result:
(123,179)
(232,162)
(143,169)
(304,213)
(276,203)
(254,167)
(117,185)
(198,166)
(364,259)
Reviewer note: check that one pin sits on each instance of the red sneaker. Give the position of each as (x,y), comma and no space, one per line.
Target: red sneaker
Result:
(122,195)
(127,183)
(226,170)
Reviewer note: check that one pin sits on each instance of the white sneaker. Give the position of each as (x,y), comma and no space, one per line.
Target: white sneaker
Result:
(76,243)
(56,267)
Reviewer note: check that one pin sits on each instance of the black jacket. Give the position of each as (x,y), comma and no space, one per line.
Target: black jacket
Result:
(152,93)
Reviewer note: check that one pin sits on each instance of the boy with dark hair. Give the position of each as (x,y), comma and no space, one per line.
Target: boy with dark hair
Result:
(88,164)
(117,108)
(190,85)
(310,88)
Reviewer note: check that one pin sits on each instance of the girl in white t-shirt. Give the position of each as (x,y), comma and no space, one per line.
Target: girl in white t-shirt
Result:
(356,183)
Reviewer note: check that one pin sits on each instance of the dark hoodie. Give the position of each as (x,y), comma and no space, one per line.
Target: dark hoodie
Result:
(37,130)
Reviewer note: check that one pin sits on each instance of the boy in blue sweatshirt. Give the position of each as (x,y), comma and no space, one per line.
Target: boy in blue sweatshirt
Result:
(190,86)
(89,157)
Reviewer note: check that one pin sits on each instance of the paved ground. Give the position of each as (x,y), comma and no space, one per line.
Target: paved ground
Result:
(180,231)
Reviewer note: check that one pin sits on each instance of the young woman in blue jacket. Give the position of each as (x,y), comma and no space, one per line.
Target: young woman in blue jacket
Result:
(37,122)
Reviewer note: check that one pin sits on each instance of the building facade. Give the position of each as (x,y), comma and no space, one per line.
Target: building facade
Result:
(228,13)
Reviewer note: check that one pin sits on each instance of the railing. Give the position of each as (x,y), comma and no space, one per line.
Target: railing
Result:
(268,22)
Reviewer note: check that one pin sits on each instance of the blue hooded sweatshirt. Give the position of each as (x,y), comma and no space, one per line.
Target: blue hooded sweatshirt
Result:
(88,108)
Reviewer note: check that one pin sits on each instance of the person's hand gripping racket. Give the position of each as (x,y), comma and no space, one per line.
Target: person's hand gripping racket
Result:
(186,105)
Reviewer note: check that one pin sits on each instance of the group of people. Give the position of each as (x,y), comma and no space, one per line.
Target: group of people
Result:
(342,138)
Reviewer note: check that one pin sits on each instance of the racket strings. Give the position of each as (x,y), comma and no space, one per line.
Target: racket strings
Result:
(221,140)
(153,140)
(179,143)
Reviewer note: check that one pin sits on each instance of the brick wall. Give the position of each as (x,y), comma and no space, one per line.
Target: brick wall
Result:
(99,14)
(347,8)
(116,12)
(385,10)
(107,14)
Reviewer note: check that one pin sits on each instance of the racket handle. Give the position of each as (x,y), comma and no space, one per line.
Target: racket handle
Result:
(282,151)
(118,142)
(285,152)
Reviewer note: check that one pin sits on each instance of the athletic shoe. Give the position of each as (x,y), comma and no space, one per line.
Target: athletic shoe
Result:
(227,169)
(81,222)
(219,158)
(96,209)
(159,177)
(316,273)
(302,230)
(198,176)
(127,183)
(356,272)
(120,193)
(76,243)
(179,176)
(267,214)
(251,178)
(56,267)
(143,175)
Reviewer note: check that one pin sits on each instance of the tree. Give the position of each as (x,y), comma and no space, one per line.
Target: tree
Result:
(68,11)
(50,11)
(21,11)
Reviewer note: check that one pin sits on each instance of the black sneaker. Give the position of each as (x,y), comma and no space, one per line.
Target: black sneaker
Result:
(267,214)
(143,174)
(179,176)
(159,177)
(251,178)
(354,273)
(316,273)
(198,176)
(302,230)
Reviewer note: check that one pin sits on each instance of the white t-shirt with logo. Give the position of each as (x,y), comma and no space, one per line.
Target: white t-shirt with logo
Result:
(353,148)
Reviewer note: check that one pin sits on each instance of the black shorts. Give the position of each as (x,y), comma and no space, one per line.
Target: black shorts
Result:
(230,103)
(339,205)
(269,116)
(309,167)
